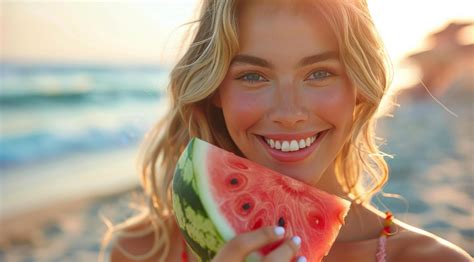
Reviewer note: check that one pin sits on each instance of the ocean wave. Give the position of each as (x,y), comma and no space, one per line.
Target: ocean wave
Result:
(39,145)
(42,84)
(77,96)
(49,111)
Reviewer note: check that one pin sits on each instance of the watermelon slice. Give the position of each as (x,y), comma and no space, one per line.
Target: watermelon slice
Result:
(217,195)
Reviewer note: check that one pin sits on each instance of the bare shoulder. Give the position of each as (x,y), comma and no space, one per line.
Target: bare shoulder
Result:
(142,244)
(415,244)
(130,248)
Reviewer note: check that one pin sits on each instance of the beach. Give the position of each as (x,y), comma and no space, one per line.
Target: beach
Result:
(51,207)
(432,167)
(55,216)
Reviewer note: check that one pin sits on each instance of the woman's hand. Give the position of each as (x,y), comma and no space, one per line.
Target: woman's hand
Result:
(237,249)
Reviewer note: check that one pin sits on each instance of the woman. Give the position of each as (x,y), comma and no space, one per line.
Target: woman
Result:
(259,77)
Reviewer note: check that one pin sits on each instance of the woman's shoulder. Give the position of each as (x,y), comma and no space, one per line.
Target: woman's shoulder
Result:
(414,244)
(124,246)
(141,243)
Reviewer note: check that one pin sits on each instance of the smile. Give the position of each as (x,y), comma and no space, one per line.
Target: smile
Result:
(292,145)
(288,149)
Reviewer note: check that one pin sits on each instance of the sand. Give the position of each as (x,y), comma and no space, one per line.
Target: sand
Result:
(45,202)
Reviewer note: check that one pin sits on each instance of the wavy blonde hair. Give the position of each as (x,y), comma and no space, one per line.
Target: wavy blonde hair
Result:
(360,166)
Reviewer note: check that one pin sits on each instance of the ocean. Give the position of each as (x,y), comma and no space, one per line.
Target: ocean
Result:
(51,111)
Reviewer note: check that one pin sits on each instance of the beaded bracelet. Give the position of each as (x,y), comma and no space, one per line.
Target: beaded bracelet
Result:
(387,224)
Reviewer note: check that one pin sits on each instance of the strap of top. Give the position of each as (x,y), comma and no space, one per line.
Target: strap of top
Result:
(381,254)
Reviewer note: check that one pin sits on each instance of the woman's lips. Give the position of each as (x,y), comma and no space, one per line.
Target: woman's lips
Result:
(295,155)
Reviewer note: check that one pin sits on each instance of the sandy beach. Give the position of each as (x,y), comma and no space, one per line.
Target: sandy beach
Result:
(62,201)
(70,178)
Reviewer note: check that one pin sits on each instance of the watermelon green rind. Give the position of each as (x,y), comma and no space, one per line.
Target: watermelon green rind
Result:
(200,168)
(193,220)
(207,200)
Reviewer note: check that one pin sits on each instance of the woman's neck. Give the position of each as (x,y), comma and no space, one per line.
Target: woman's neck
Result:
(362,221)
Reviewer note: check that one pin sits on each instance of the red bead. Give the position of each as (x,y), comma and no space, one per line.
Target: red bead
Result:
(388,221)
(184,254)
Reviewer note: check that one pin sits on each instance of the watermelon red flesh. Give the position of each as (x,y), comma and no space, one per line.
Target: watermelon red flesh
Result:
(250,196)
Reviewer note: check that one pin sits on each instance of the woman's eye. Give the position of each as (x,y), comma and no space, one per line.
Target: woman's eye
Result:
(252,77)
(319,75)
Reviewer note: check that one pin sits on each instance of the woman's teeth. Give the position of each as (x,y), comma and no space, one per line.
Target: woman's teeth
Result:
(293,145)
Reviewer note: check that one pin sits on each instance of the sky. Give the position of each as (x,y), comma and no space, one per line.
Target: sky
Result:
(93,31)
(143,32)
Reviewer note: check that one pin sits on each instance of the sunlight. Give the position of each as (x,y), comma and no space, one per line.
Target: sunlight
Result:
(149,31)
(404,24)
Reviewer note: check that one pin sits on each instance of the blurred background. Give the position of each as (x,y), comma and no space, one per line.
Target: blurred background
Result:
(82,81)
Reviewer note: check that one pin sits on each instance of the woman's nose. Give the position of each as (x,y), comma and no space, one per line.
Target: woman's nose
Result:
(288,109)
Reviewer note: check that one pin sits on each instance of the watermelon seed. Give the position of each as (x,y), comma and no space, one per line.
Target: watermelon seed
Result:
(246,206)
(281,222)
(234,181)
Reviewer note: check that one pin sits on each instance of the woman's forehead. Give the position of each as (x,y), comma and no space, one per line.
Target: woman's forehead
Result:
(252,11)
(267,25)
(272,7)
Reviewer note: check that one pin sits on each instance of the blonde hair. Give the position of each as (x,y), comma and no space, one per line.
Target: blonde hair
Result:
(360,167)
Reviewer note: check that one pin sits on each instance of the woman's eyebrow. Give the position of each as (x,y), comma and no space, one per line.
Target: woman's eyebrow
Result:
(329,55)
(257,61)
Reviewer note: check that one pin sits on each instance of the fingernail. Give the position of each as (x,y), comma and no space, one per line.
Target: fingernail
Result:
(296,240)
(301,259)
(279,231)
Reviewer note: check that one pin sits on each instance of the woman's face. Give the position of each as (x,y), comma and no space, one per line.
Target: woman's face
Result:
(286,99)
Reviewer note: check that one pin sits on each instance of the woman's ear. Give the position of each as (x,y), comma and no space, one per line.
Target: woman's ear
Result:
(216,100)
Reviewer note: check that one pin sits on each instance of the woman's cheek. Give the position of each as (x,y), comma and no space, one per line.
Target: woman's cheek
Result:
(242,109)
(333,104)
